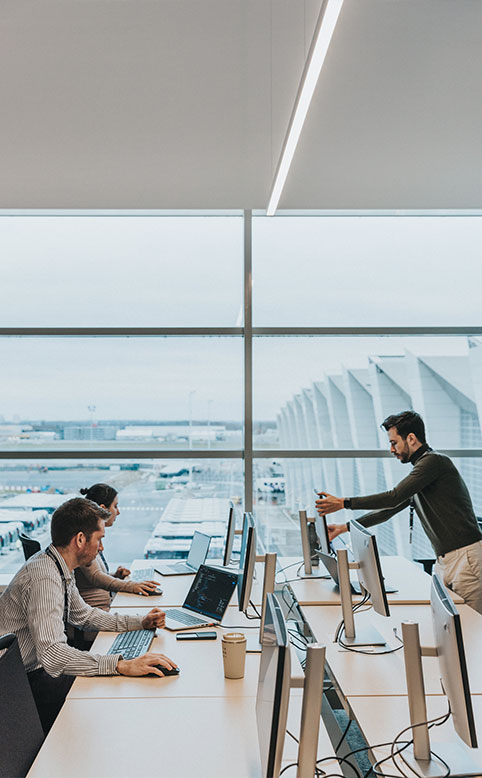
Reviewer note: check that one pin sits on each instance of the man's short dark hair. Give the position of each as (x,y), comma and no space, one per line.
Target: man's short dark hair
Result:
(406,422)
(73,516)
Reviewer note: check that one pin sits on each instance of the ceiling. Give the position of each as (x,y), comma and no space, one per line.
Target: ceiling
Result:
(185,104)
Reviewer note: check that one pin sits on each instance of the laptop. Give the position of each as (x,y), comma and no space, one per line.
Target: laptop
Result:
(206,601)
(197,556)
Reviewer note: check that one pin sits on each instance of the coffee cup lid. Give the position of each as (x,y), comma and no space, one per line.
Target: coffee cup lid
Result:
(234,637)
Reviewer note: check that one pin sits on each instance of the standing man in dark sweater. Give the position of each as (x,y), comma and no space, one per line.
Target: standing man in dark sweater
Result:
(440,498)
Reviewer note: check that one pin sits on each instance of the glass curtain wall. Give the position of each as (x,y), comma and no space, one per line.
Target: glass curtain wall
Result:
(136,351)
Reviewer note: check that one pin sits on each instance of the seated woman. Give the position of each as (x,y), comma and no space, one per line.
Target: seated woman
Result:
(94,582)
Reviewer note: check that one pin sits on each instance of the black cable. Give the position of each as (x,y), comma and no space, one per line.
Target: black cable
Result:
(333,775)
(293,736)
(340,759)
(292,564)
(344,735)
(299,635)
(430,723)
(296,641)
(370,748)
(258,614)
(293,764)
(341,625)
(370,653)
(293,603)
(437,722)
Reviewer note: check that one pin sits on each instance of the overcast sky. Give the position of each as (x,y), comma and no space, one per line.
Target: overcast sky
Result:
(176,271)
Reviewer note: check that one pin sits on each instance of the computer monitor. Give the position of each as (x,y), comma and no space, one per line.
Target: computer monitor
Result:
(369,571)
(453,667)
(322,533)
(248,520)
(246,562)
(273,692)
(230,532)
(449,648)
(310,546)
(272,699)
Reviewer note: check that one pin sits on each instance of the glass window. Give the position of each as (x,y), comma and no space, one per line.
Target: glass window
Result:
(283,487)
(129,393)
(161,503)
(333,392)
(366,270)
(121,271)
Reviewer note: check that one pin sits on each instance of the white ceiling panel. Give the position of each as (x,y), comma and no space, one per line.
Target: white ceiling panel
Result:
(142,103)
(396,120)
(185,103)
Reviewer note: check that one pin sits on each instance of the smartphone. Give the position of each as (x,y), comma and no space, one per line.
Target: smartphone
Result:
(196,635)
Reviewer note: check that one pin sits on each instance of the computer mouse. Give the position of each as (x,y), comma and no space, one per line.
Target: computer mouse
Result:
(167,671)
(158,590)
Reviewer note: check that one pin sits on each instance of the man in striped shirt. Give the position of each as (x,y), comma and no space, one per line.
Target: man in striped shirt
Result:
(43,597)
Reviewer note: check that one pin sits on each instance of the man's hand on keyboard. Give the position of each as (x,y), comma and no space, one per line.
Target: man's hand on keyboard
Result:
(155,618)
(144,587)
(145,664)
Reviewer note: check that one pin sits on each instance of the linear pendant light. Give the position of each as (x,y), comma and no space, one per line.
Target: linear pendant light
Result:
(325,27)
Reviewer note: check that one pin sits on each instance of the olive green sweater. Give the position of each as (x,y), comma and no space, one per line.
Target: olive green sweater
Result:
(441,500)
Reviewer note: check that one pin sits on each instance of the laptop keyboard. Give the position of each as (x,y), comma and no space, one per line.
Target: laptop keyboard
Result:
(184,618)
(132,644)
(146,574)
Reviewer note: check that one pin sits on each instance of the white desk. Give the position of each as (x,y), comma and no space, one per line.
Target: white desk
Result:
(381,719)
(108,738)
(412,582)
(200,662)
(211,737)
(176,587)
(362,675)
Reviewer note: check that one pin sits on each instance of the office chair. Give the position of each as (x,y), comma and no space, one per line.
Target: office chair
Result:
(21,733)
(30,546)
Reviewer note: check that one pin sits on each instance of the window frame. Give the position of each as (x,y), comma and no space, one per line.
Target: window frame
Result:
(248,333)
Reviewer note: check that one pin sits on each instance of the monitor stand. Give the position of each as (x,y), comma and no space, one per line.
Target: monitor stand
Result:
(367,636)
(456,755)
(253,641)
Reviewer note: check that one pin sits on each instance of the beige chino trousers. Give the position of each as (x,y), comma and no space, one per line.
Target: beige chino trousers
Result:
(461,571)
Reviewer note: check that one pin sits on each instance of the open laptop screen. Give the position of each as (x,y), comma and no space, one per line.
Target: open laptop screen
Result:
(211,592)
(199,549)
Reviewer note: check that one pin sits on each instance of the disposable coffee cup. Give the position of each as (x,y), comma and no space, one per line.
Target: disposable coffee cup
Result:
(234,654)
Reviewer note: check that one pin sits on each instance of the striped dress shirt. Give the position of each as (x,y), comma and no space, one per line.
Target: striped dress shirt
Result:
(32,607)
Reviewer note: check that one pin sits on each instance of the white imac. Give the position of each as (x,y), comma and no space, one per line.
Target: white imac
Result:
(246,562)
(310,545)
(272,699)
(369,571)
(449,648)
(230,533)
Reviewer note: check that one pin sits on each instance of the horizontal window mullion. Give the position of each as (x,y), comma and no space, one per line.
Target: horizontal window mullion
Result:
(233,331)
(364,331)
(124,454)
(221,454)
(351,453)
(119,332)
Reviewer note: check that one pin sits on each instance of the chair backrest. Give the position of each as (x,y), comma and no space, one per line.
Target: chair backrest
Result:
(29,545)
(21,733)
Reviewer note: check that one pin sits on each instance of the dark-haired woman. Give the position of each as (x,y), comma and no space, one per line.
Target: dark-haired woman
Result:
(94,582)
